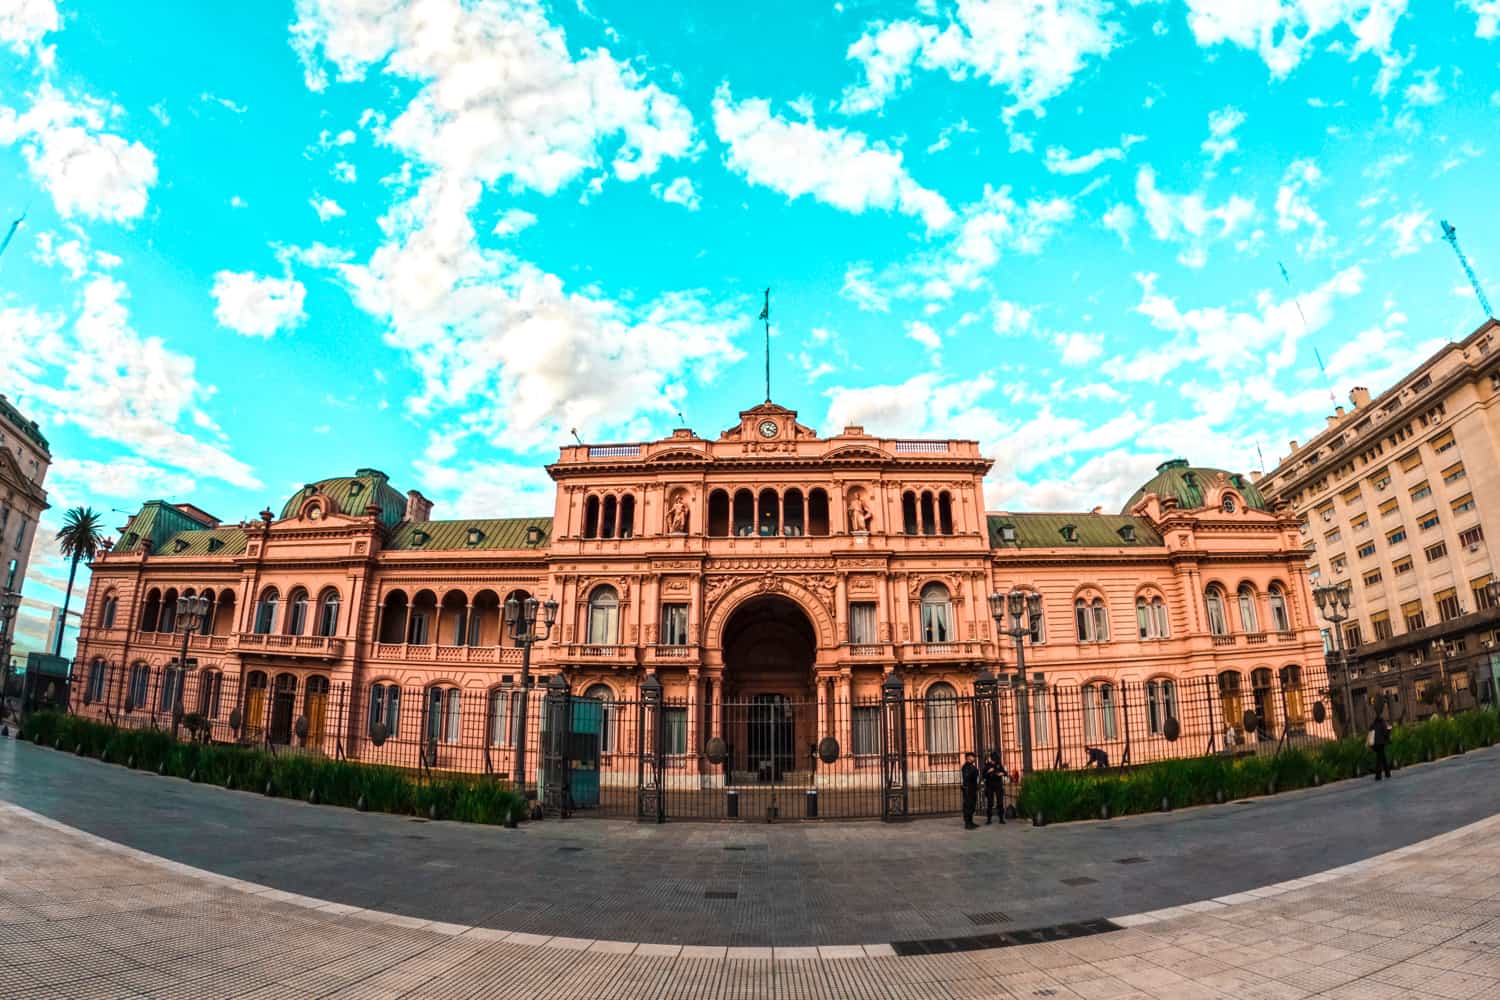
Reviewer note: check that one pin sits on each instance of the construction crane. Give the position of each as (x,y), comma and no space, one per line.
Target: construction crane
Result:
(1451,235)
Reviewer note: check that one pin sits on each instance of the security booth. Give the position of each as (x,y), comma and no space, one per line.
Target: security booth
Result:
(45,683)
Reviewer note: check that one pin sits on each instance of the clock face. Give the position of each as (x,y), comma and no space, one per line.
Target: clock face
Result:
(768,428)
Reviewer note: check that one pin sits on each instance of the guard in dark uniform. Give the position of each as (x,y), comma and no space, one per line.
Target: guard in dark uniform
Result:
(970,781)
(994,787)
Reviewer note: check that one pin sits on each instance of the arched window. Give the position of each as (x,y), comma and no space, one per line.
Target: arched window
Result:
(945,513)
(718,513)
(626,528)
(223,610)
(1230,703)
(454,628)
(328,613)
(265,611)
(1280,620)
(604,700)
(1151,617)
(315,708)
(393,617)
(929,518)
(151,610)
(1159,613)
(793,514)
(140,686)
(504,715)
(1098,712)
(909,512)
(1249,621)
(940,713)
(607,519)
(604,617)
(1161,704)
(420,619)
(1264,695)
(256,685)
(210,689)
(107,612)
(770,514)
(937,614)
(296,612)
(591,517)
(169,689)
(744,513)
(168,621)
(206,623)
(1143,621)
(1227,504)
(485,619)
(444,714)
(385,706)
(1213,600)
(817,512)
(1291,692)
(95,691)
(1092,619)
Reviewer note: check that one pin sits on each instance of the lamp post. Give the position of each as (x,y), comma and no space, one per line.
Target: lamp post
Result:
(1013,605)
(190,614)
(526,631)
(1333,605)
(10,601)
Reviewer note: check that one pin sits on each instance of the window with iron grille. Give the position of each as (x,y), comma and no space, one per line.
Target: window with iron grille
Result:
(675,720)
(865,732)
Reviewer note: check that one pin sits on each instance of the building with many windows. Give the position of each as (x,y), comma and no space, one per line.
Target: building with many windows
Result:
(767,567)
(24,458)
(1398,497)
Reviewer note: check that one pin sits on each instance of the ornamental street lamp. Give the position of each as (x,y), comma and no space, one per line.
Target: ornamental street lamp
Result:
(526,631)
(1013,605)
(10,601)
(1333,605)
(190,614)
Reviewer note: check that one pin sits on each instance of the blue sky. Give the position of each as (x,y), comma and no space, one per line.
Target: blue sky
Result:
(267,243)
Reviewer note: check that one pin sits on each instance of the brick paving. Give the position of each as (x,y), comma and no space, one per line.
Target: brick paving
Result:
(83,917)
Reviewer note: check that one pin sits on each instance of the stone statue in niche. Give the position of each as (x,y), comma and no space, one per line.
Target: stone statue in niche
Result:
(677,516)
(860,514)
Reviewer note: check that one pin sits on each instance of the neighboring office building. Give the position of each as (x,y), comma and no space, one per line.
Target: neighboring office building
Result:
(24,458)
(1400,497)
(767,566)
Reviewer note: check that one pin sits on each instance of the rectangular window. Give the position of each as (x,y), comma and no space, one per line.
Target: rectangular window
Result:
(1436,552)
(674,624)
(504,715)
(1380,478)
(1352,638)
(1447,604)
(1360,523)
(1326,513)
(1338,563)
(1443,442)
(862,623)
(416,632)
(1332,536)
(21,535)
(1428,521)
(1372,578)
(1039,716)
(1380,624)
(1351,495)
(1478,587)
(1402,566)
(1464,504)
(1410,460)
(1454,473)
(1389,507)
(1415,618)
(1421,491)
(1471,537)
(866,730)
(1367,550)
(675,721)
(1395,537)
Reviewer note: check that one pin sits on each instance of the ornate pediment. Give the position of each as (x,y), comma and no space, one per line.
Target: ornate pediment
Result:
(768,422)
(12,476)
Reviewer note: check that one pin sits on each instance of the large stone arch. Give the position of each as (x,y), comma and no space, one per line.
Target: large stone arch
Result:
(725,603)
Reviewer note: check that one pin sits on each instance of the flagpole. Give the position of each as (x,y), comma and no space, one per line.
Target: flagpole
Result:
(765,314)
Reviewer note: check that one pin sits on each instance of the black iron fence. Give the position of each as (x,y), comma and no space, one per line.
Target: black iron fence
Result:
(656,758)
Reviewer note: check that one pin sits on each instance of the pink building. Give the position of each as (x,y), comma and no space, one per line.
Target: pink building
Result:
(770,578)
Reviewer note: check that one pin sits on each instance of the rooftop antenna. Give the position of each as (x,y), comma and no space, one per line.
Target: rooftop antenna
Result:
(574,431)
(11,232)
(1334,400)
(1260,456)
(765,316)
(1451,235)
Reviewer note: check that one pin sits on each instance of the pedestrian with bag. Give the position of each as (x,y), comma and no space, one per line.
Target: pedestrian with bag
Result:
(969,782)
(1377,739)
(994,787)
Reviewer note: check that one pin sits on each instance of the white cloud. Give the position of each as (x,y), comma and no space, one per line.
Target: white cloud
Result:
(679,192)
(1009,317)
(1488,14)
(1281,31)
(23,23)
(832,165)
(924,335)
(326,208)
(344,172)
(88,172)
(468,488)
(1031,48)
(1221,128)
(129,478)
(990,227)
(1294,212)
(859,289)
(1060,161)
(1079,348)
(1426,92)
(543,121)
(236,201)
(512,221)
(1120,219)
(1188,218)
(223,102)
(255,305)
(1411,231)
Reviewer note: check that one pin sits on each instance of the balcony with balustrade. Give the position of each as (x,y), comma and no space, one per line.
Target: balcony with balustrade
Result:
(603,655)
(402,652)
(941,652)
(322,647)
(172,641)
(674,655)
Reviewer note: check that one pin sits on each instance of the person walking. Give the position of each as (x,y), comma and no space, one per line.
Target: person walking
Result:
(1380,737)
(994,787)
(969,779)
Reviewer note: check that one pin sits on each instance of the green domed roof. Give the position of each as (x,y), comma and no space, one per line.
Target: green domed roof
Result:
(1186,483)
(352,494)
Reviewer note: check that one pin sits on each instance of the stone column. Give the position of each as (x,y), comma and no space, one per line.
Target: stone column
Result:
(822,686)
(693,747)
(843,711)
(716,722)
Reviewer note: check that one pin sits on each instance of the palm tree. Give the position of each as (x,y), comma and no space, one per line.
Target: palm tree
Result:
(79,538)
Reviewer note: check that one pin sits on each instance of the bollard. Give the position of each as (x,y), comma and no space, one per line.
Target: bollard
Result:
(812,803)
(732,804)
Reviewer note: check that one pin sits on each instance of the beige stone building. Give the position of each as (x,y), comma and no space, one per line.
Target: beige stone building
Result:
(1399,497)
(24,458)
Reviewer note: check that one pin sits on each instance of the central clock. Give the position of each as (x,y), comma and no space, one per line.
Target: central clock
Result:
(768,428)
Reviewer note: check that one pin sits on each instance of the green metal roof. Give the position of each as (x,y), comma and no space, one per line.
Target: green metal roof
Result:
(493,533)
(352,494)
(1089,531)
(26,427)
(158,521)
(1186,483)
(213,542)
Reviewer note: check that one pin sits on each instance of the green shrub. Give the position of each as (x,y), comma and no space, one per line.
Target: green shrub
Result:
(470,798)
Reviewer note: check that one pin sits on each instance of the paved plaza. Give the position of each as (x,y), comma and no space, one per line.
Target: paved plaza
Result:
(157,901)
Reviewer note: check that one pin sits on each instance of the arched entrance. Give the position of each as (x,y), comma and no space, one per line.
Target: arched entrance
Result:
(769,647)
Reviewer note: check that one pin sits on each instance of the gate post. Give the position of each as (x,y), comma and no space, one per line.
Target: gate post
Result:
(650,761)
(557,793)
(893,776)
(986,713)
(1023,718)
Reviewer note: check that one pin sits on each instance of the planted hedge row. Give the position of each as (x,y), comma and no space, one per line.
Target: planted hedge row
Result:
(468,798)
(1060,796)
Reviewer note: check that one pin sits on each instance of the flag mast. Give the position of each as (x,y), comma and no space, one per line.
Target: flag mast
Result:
(765,316)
